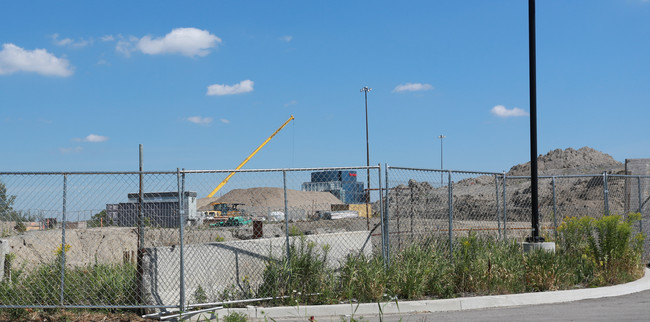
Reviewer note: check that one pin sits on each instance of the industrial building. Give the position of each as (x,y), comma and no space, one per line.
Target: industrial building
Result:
(160,209)
(342,184)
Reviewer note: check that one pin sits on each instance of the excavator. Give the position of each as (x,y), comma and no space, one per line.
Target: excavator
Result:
(227,214)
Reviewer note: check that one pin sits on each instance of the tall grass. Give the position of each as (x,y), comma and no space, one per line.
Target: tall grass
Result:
(589,253)
(99,284)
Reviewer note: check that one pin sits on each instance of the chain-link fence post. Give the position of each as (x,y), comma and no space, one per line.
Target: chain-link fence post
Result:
(286,215)
(140,235)
(381,212)
(451,215)
(496,194)
(606,193)
(181,222)
(638,189)
(63,224)
(505,208)
(554,209)
(386,232)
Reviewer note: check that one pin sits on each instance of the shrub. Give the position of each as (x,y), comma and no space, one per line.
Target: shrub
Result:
(609,244)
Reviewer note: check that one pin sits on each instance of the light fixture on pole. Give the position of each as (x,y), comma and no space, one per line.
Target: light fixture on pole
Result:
(365,91)
(441,137)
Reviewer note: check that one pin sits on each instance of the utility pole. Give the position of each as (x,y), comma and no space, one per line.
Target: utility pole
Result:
(365,91)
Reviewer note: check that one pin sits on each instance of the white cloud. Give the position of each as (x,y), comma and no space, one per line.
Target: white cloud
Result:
(69,42)
(125,47)
(412,87)
(224,121)
(286,38)
(200,120)
(108,38)
(15,59)
(92,138)
(502,111)
(185,41)
(76,149)
(244,86)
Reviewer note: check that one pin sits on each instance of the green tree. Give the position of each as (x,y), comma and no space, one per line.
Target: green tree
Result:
(99,219)
(7,212)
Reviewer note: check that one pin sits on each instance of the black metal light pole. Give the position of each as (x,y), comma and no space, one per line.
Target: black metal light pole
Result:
(534,201)
(365,91)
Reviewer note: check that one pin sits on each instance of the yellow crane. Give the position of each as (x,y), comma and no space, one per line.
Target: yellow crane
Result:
(249,157)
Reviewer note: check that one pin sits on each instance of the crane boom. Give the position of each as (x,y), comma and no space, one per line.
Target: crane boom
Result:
(249,157)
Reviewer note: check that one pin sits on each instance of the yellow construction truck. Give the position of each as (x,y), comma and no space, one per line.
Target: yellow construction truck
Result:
(225,214)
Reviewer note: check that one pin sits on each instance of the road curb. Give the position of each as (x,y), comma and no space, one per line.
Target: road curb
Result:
(336,311)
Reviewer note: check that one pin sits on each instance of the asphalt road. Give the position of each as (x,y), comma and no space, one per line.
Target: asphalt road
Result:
(632,307)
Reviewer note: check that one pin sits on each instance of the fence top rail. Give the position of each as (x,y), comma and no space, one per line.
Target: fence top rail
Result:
(581,176)
(376,167)
(444,171)
(629,176)
(55,173)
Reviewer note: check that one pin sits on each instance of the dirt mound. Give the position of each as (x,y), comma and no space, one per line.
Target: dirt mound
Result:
(272,198)
(481,197)
(570,161)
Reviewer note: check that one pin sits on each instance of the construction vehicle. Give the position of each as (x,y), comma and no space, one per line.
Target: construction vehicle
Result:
(249,157)
(223,213)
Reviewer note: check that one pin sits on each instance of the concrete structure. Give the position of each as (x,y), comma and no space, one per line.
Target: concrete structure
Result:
(160,209)
(4,250)
(342,184)
(215,267)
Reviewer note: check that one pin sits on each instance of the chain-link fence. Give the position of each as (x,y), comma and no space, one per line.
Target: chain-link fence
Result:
(427,206)
(189,239)
(175,240)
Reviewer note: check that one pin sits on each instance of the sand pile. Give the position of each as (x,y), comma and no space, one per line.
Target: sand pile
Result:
(272,198)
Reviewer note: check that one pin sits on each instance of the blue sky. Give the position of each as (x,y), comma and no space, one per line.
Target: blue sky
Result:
(201,84)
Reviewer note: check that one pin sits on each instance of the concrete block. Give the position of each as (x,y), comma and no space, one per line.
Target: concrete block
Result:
(4,250)
(547,246)
(215,267)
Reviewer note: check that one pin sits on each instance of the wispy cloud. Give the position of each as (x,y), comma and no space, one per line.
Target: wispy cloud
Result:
(126,45)
(224,121)
(502,111)
(93,138)
(108,38)
(200,120)
(244,86)
(68,42)
(294,102)
(412,87)
(15,59)
(76,149)
(185,41)
(286,38)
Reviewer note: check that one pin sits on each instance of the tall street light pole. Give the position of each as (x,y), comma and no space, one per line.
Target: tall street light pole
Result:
(535,237)
(365,91)
(441,137)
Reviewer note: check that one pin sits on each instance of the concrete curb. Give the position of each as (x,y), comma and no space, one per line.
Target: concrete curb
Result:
(324,312)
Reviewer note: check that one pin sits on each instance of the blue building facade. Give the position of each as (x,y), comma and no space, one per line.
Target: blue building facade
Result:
(342,184)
